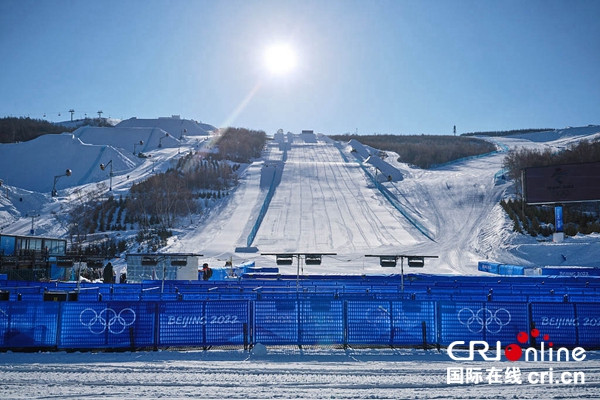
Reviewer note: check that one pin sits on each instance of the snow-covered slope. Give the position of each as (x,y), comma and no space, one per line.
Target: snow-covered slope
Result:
(306,194)
(325,201)
(174,125)
(127,138)
(33,165)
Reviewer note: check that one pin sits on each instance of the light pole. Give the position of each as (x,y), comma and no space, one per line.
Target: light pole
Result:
(141,142)
(391,260)
(309,259)
(68,172)
(160,140)
(103,167)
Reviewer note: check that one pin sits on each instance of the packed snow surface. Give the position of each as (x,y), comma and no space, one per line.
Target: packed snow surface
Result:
(278,373)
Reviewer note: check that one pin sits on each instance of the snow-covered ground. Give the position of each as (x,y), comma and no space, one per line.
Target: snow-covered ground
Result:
(279,373)
(324,202)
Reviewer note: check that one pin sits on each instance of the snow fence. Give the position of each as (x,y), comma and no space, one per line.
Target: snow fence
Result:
(273,309)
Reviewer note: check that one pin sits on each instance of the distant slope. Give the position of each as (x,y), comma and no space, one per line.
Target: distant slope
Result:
(33,165)
(175,126)
(424,151)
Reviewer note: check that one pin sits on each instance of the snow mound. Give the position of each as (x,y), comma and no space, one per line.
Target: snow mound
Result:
(174,125)
(126,138)
(33,165)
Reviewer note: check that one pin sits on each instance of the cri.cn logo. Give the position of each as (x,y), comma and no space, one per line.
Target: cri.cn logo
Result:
(514,352)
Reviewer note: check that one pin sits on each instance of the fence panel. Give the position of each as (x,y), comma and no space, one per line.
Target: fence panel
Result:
(407,321)
(28,324)
(107,325)
(461,321)
(557,320)
(321,322)
(225,321)
(276,322)
(369,322)
(504,321)
(182,324)
(588,324)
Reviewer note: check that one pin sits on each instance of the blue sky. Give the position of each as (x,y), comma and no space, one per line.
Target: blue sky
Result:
(400,67)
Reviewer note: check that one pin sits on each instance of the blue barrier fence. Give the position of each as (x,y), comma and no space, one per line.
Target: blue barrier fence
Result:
(315,321)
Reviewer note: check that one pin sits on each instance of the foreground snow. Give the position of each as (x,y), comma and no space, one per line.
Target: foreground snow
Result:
(288,373)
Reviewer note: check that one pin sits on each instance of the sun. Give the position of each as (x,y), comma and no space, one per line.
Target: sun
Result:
(280,58)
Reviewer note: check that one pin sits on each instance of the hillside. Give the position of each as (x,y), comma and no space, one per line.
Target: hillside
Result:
(306,193)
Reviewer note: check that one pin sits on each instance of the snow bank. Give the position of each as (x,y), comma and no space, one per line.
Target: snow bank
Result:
(174,125)
(33,165)
(126,138)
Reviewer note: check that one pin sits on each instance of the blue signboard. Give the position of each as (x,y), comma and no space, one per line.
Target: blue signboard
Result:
(558,218)
(7,245)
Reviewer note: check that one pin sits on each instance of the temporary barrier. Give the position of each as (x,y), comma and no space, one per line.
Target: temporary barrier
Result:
(587,322)
(313,310)
(558,321)
(486,266)
(97,325)
(573,271)
(318,321)
(491,321)
(28,324)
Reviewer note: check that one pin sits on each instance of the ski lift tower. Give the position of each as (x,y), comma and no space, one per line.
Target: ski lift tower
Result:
(72,112)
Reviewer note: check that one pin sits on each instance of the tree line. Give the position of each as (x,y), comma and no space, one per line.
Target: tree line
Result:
(240,144)
(537,220)
(424,151)
(516,160)
(508,133)
(23,129)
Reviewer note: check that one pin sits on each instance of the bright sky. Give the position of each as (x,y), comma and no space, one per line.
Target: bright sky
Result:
(401,67)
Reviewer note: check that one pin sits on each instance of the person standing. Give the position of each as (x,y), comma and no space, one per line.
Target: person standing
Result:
(206,272)
(108,273)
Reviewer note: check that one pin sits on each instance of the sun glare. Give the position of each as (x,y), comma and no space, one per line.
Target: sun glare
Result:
(280,59)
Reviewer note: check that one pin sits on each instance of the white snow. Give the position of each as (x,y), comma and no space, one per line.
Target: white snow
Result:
(175,126)
(276,373)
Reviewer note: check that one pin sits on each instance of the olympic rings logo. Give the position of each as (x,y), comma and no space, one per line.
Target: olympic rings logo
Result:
(108,318)
(492,321)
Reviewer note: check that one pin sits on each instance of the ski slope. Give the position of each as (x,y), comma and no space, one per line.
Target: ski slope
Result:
(306,194)
(324,204)
(325,201)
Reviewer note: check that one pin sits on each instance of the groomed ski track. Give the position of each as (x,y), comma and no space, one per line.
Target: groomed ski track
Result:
(322,203)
